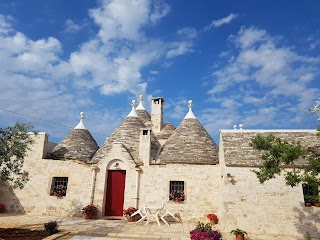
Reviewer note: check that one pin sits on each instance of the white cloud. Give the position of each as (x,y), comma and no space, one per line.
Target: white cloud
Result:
(261,75)
(222,21)
(179,48)
(188,32)
(71,26)
(121,18)
(160,9)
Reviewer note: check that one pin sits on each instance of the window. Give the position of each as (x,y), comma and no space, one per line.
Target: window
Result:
(59,186)
(176,191)
(176,185)
(310,193)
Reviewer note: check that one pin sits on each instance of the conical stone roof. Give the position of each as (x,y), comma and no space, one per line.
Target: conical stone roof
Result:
(78,145)
(143,113)
(128,133)
(190,144)
(144,116)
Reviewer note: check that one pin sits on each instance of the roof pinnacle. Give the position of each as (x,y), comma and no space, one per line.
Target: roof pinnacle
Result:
(140,106)
(190,113)
(133,111)
(81,124)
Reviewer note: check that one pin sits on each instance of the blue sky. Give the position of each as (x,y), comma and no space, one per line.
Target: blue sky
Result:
(250,62)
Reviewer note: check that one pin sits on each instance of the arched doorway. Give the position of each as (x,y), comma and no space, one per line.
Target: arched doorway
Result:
(116,179)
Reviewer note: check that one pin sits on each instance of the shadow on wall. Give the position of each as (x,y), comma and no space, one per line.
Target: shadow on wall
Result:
(11,201)
(308,220)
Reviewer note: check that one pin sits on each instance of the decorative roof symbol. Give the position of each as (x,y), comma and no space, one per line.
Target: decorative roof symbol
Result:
(140,106)
(190,113)
(81,124)
(133,111)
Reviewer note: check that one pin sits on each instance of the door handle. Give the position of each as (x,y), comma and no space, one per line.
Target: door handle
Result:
(116,194)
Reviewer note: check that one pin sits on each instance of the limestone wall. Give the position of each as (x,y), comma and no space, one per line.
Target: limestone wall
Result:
(269,208)
(201,188)
(35,197)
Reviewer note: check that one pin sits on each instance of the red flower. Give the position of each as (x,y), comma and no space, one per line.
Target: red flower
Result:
(129,211)
(212,216)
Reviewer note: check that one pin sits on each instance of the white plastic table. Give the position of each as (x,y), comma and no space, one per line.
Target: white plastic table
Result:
(153,211)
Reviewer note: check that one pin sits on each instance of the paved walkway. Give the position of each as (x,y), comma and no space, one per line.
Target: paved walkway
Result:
(81,229)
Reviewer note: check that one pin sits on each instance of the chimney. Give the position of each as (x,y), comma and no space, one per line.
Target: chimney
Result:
(145,146)
(157,114)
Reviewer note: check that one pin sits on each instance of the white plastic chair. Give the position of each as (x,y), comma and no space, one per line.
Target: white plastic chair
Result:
(142,212)
(167,212)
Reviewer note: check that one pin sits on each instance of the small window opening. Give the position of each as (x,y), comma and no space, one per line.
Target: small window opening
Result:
(145,132)
(177,191)
(59,186)
(310,194)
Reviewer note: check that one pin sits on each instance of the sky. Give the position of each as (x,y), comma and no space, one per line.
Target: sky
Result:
(246,62)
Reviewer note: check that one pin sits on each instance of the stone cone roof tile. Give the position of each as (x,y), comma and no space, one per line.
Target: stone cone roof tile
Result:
(190,144)
(144,116)
(128,133)
(78,145)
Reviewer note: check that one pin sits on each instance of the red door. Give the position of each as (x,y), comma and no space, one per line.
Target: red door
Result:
(115,192)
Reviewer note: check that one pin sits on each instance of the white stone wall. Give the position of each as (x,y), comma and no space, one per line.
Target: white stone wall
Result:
(269,208)
(201,189)
(35,196)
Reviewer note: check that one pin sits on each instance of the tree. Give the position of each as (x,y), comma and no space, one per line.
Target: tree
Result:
(279,154)
(14,144)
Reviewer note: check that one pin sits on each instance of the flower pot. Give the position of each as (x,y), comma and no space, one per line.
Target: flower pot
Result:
(88,216)
(131,219)
(308,204)
(214,221)
(317,204)
(239,236)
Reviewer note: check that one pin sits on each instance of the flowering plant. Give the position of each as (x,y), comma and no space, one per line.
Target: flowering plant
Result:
(59,190)
(128,212)
(177,196)
(204,231)
(212,216)
(91,209)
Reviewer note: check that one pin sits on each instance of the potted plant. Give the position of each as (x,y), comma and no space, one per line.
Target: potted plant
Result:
(204,231)
(213,218)
(2,208)
(239,233)
(59,191)
(176,196)
(308,200)
(51,227)
(89,211)
(128,212)
(317,201)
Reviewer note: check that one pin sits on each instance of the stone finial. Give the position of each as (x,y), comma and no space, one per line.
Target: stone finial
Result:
(234,127)
(140,106)
(81,124)
(241,126)
(133,111)
(190,113)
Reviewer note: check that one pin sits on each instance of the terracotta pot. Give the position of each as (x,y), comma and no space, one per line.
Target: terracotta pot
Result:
(317,204)
(88,216)
(214,221)
(308,204)
(131,219)
(239,236)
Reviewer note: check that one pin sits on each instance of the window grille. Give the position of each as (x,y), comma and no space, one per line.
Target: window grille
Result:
(309,193)
(176,185)
(57,181)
